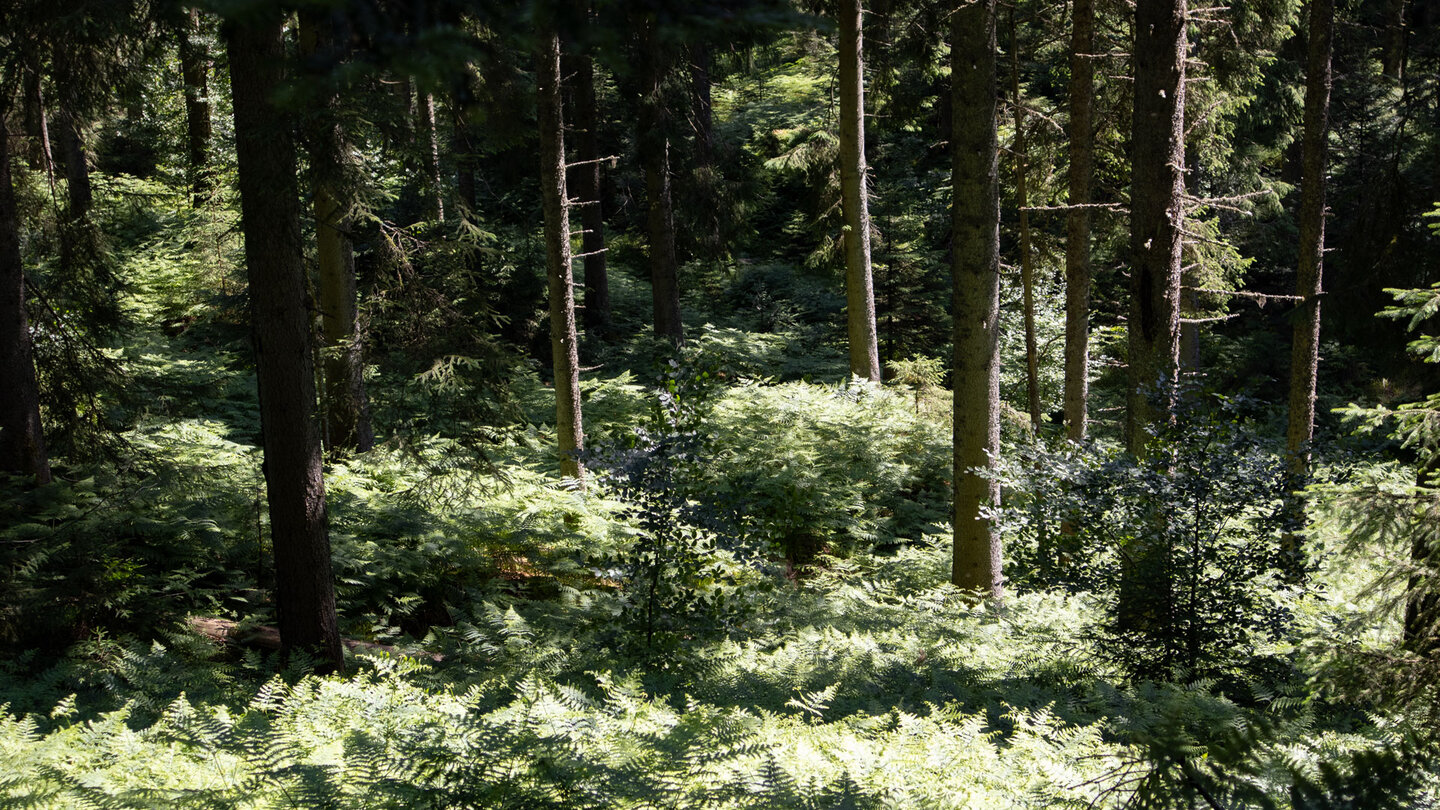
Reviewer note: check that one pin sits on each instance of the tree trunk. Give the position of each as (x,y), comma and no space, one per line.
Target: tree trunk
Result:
(1392,55)
(270,219)
(570,434)
(463,144)
(1305,340)
(1022,202)
(79,194)
(1157,185)
(587,190)
(194,71)
(346,408)
(975,262)
(654,146)
(22,442)
(37,127)
(859,289)
(1077,220)
(430,145)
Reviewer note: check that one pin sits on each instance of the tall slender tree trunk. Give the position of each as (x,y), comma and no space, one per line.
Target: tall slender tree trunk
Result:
(654,143)
(22,441)
(1077,220)
(569,431)
(1305,340)
(598,317)
(1392,54)
(346,408)
(37,127)
(430,148)
(1022,203)
(270,218)
(79,193)
(975,262)
(1157,185)
(195,72)
(854,195)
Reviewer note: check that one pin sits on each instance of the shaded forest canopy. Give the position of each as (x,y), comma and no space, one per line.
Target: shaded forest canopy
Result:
(741,403)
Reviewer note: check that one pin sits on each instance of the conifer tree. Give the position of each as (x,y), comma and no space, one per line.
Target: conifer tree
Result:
(22,442)
(274,260)
(975,262)
(1078,219)
(859,288)
(346,408)
(570,434)
(1157,212)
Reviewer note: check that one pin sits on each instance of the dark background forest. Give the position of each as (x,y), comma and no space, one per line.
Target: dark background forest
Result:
(738,403)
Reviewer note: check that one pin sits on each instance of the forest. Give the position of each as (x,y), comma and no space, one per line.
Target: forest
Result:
(719,404)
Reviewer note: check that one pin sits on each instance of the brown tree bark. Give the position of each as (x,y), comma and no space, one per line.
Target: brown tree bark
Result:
(195,72)
(429,136)
(598,315)
(1077,220)
(346,407)
(1157,185)
(37,127)
(854,196)
(654,146)
(1305,339)
(1022,203)
(80,195)
(22,441)
(975,262)
(569,431)
(270,219)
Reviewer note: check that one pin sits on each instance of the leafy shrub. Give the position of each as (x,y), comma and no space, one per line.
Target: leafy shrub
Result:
(676,572)
(1183,548)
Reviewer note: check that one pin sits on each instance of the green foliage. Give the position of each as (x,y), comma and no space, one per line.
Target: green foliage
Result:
(809,468)
(1189,538)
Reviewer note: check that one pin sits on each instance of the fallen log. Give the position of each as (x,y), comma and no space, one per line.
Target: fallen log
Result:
(226,631)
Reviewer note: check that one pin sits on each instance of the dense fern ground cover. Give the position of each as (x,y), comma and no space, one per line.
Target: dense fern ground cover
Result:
(865,682)
(748,605)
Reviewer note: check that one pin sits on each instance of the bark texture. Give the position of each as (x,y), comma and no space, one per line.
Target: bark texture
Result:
(195,72)
(346,407)
(1305,342)
(975,258)
(430,148)
(570,434)
(22,442)
(654,145)
(1157,185)
(79,194)
(1022,203)
(270,219)
(854,196)
(1077,220)
(1305,338)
